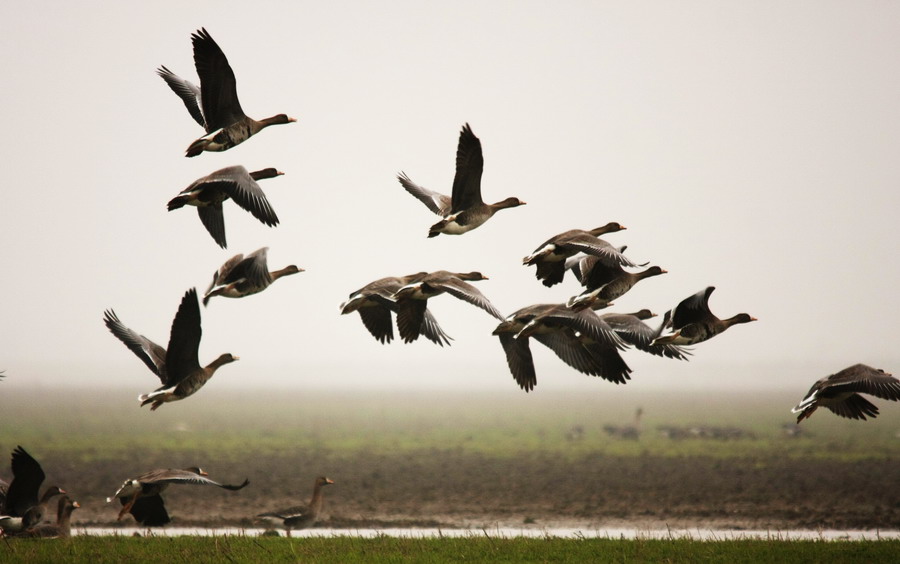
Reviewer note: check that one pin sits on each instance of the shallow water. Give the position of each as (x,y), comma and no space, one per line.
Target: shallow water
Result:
(695,534)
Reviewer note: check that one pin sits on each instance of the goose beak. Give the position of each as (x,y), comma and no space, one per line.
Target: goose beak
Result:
(327,481)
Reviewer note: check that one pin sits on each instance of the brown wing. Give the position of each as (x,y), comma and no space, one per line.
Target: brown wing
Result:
(469,167)
(435,201)
(27,479)
(151,354)
(694,309)
(218,87)
(184,340)
(519,360)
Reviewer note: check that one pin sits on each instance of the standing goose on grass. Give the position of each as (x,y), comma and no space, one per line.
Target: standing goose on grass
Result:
(303,516)
(21,506)
(632,329)
(375,302)
(630,432)
(595,335)
(178,367)
(240,276)
(840,393)
(62,529)
(464,210)
(214,105)
(692,321)
(604,282)
(550,257)
(142,497)
(412,299)
(234,182)
(565,344)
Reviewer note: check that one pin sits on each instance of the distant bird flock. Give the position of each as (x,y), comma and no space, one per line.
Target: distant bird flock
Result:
(589,342)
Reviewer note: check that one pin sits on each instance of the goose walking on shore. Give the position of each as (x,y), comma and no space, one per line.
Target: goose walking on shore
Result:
(302,516)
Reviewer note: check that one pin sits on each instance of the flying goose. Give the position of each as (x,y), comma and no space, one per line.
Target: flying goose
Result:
(233,182)
(141,497)
(631,328)
(178,367)
(412,299)
(464,210)
(21,507)
(692,321)
(594,334)
(303,516)
(604,282)
(375,302)
(840,393)
(240,276)
(564,343)
(550,256)
(214,105)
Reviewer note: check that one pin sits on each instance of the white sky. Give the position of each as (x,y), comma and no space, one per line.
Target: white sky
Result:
(752,146)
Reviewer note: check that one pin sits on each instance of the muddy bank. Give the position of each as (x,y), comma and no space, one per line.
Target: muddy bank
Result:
(449,489)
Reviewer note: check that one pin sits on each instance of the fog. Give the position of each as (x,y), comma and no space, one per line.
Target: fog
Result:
(749,146)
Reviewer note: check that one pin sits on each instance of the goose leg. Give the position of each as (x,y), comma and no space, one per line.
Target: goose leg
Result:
(127,507)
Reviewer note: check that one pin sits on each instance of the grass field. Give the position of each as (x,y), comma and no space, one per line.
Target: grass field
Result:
(474,549)
(87,427)
(453,460)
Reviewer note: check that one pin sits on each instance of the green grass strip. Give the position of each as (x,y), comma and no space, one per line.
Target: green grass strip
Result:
(477,548)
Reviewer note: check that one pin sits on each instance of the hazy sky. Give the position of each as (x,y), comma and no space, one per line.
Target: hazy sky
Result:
(752,146)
